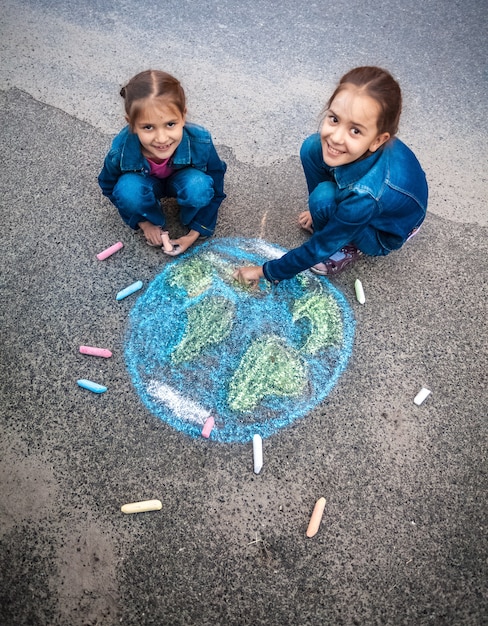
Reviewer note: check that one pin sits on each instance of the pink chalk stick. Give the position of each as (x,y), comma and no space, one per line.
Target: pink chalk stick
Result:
(95,351)
(207,427)
(109,251)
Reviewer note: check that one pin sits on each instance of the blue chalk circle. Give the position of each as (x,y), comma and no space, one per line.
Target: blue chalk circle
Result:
(199,344)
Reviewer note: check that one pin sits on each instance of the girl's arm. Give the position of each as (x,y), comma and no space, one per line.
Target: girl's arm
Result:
(350,218)
(110,174)
(216,168)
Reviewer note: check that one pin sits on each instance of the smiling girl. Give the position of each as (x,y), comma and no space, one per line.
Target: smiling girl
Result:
(367,191)
(159,154)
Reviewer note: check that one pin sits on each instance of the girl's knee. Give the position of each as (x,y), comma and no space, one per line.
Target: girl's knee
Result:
(197,192)
(136,200)
(130,190)
(323,198)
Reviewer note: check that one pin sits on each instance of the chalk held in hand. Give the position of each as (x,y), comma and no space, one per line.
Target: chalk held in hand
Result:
(167,245)
(421,396)
(91,350)
(109,251)
(358,287)
(316,518)
(257,449)
(129,290)
(142,507)
(207,427)
(91,386)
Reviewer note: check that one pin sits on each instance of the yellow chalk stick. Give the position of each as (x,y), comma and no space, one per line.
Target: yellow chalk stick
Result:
(316,518)
(141,507)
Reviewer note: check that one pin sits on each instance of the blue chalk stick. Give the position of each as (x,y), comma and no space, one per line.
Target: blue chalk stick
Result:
(128,290)
(91,386)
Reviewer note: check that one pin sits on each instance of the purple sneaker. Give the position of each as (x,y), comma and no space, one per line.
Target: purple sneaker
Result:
(337,262)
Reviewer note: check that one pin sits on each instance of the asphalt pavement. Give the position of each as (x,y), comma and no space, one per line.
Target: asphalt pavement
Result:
(403,539)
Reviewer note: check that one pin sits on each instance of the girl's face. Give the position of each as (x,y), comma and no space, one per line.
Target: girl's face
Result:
(349,130)
(159,127)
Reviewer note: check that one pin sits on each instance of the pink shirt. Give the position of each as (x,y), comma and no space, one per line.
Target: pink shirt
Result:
(160,170)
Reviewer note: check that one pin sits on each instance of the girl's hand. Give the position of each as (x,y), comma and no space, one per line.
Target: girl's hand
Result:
(249,276)
(152,233)
(305,221)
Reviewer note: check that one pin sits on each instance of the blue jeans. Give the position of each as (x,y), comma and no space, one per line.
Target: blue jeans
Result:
(323,201)
(137,199)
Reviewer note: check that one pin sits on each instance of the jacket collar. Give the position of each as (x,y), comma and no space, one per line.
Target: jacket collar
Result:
(131,152)
(182,155)
(130,157)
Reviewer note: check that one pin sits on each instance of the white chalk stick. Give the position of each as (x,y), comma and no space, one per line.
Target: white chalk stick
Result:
(257,449)
(420,397)
(142,507)
(358,287)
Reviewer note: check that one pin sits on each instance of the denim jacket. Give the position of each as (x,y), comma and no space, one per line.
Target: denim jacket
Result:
(386,192)
(196,150)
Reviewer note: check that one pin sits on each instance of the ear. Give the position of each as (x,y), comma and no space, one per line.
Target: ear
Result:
(379,141)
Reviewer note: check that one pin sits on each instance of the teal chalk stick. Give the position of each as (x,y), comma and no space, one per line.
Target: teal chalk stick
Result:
(91,386)
(129,290)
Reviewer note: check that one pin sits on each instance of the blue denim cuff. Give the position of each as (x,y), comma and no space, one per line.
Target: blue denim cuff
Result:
(268,276)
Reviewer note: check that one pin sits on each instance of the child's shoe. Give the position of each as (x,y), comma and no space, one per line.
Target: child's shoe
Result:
(337,262)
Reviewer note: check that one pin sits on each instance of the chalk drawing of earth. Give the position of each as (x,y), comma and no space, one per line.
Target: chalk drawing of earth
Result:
(200,344)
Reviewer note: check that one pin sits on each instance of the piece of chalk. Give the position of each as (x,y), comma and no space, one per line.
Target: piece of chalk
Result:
(142,507)
(95,351)
(207,427)
(109,251)
(316,518)
(257,451)
(420,397)
(358,287)
(129,290)
(91,386)
(167,245)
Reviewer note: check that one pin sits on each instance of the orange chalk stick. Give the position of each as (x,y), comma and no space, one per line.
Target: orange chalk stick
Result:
(316,518)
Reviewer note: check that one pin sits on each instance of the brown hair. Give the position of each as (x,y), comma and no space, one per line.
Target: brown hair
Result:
(151,84)
(382,87)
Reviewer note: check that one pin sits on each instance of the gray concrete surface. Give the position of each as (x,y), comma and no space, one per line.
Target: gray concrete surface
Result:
(403,540)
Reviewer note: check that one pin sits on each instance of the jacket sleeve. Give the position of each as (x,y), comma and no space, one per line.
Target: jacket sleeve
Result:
(110,174)
(206,219)
(216,168)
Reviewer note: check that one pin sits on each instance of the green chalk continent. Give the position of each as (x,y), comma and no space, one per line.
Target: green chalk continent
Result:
(267,368)
(195,276)
(209,322)
(325,320)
